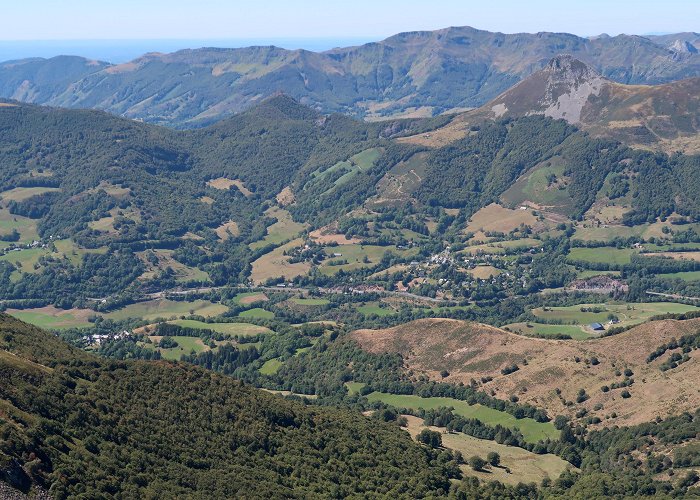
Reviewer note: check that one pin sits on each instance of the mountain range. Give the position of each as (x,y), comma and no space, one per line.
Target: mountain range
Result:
(664,116)
(409,74)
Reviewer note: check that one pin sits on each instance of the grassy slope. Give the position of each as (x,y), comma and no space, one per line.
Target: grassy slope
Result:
(524,466)
(532,431)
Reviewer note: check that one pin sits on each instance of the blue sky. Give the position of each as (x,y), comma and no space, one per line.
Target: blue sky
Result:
(279,19)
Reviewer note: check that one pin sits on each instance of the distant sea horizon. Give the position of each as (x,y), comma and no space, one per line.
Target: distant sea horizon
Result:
(119,51)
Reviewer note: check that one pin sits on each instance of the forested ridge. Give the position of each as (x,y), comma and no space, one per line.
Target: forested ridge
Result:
(81,426)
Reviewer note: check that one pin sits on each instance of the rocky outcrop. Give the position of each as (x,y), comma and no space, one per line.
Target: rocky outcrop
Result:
(560,90)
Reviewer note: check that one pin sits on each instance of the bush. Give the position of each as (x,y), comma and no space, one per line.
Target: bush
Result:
(167,343)
(477,463)
(582,396)
(493,458)
(510,369)
(430,438)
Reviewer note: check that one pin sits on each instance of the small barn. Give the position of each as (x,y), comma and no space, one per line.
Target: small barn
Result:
(596,327)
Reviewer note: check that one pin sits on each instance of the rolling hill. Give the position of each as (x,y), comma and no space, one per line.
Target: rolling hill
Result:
(74,424)
(665,116)
(409,74)
(89,197)
(472,351)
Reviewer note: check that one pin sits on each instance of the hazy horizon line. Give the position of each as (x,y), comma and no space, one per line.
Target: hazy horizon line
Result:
(119,50)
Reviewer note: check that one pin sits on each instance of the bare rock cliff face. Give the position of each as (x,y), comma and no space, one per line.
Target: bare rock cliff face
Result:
(570,84)
(560,90)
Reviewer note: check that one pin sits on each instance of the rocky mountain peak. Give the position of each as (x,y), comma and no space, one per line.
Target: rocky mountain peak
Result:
(560,90)
(565,68)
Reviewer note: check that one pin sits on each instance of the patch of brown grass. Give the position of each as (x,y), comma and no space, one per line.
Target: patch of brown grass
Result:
(329,234)
(275,264)
(227,230)
(499,219)
(285,197)
(224,184)
(252,299)
(484,272)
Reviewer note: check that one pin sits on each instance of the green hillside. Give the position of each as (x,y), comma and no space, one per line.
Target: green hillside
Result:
(79,425)
(140,208)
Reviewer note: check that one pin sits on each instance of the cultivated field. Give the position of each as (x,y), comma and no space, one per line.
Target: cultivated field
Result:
(52,318)
(685,276)
(357,256)
(543,186)
(628,313)
(223,184)
(27,260)
(227,230)
(106,224)
(374,308)
(23,193)
(185,345)
(502,247)
(240,329)
(602,255)
(354,387)
(484,272)
(329,234)
(360,162)
(165,260)
(271,366)
(248,298)
(590,232)
(75,253)
(164,308)
(24,225)
(257,313)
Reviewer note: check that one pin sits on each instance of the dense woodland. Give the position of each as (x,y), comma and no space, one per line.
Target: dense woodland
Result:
(92,428)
